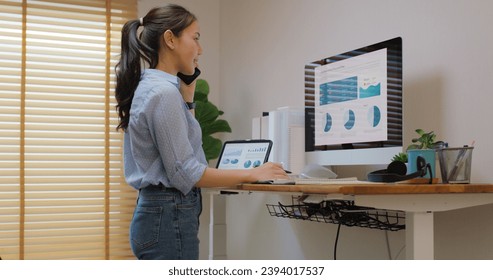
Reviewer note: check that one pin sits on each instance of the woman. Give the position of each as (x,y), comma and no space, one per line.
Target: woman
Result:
(163,155)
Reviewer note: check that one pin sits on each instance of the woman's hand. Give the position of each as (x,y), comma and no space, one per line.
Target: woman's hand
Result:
(214,177)
(268,171)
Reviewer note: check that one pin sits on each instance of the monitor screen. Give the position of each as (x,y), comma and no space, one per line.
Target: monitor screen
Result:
(354,101)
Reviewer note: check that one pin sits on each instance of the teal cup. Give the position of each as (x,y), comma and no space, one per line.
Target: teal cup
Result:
(427,154)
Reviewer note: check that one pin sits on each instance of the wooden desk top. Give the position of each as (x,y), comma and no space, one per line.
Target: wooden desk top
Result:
(369,189)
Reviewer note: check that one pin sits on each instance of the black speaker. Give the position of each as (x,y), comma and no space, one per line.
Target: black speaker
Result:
(396,171)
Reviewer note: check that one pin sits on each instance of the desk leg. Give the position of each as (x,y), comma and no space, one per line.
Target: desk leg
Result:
(419,236)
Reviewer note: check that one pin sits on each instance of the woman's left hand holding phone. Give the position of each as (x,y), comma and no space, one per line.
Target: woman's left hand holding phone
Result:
(187,85)
(187,91)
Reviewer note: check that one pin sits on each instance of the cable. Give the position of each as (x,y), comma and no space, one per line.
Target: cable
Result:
(388,244)
(400,251)
(337,239)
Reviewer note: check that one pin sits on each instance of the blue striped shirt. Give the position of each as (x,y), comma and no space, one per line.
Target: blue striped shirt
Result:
(163,141)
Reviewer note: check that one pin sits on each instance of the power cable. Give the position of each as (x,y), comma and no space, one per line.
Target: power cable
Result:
(388,244)
(337,240)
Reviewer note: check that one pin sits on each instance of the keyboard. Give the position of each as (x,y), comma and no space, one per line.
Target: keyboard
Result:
(312,181)
(319,181)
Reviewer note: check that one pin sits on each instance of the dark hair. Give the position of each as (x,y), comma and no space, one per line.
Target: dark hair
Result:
(138,51)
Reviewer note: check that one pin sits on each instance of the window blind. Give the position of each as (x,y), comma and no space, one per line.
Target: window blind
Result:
(62,191)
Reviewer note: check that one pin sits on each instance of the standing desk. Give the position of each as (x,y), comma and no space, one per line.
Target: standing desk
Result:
(419,201)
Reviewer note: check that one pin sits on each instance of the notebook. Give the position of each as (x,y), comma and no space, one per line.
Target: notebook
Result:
(244,154)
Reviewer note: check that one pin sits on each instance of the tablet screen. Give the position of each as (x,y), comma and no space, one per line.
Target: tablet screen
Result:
(244,154)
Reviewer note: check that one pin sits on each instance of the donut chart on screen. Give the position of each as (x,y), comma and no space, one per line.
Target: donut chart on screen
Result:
(328,122)
(374,116)
(349,119)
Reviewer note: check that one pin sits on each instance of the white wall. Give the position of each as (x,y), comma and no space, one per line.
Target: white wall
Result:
(254,54)
(448,66)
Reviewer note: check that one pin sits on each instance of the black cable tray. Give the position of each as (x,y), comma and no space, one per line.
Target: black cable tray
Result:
(342,212)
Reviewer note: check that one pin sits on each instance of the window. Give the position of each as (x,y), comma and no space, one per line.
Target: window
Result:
(62,191)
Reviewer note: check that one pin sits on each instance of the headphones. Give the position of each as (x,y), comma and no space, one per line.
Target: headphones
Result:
(396,171)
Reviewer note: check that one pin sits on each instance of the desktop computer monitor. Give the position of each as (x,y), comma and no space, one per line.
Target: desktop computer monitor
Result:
(353,106)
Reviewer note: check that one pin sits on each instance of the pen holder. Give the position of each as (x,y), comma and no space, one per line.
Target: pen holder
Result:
(455,164)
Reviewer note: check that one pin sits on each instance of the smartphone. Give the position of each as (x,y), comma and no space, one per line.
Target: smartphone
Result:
(188,79)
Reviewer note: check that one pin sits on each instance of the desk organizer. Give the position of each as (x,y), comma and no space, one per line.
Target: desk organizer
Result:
(342,212)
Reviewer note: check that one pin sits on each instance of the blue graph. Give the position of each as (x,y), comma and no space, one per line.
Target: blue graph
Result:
(349,119)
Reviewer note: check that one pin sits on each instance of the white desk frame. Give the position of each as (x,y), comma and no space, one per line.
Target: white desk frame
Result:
(420,209)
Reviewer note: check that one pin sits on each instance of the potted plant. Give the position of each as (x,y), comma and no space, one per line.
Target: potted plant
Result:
(402,157)
(423,146)
(207,115)
(426,140)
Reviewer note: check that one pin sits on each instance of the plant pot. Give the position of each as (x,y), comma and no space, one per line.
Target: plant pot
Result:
(427,154)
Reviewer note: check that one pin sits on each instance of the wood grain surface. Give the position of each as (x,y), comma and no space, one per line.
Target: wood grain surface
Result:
(368,189)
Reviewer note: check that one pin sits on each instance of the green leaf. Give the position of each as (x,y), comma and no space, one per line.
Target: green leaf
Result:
(201,91)
(212,147)
(206,112)
(425,141)
(200,97)
(413,147)
(216,126)
(402,157)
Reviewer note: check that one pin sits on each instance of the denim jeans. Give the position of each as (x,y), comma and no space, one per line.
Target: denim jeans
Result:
(165,224)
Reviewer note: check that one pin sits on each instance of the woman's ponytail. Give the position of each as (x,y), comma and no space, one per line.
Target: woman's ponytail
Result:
(128,71)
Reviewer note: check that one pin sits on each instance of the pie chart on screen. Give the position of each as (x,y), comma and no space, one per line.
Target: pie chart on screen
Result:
(374,116)
(328,122)
(349,119)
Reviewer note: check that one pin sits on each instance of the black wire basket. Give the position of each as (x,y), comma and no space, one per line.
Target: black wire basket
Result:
(342,212)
